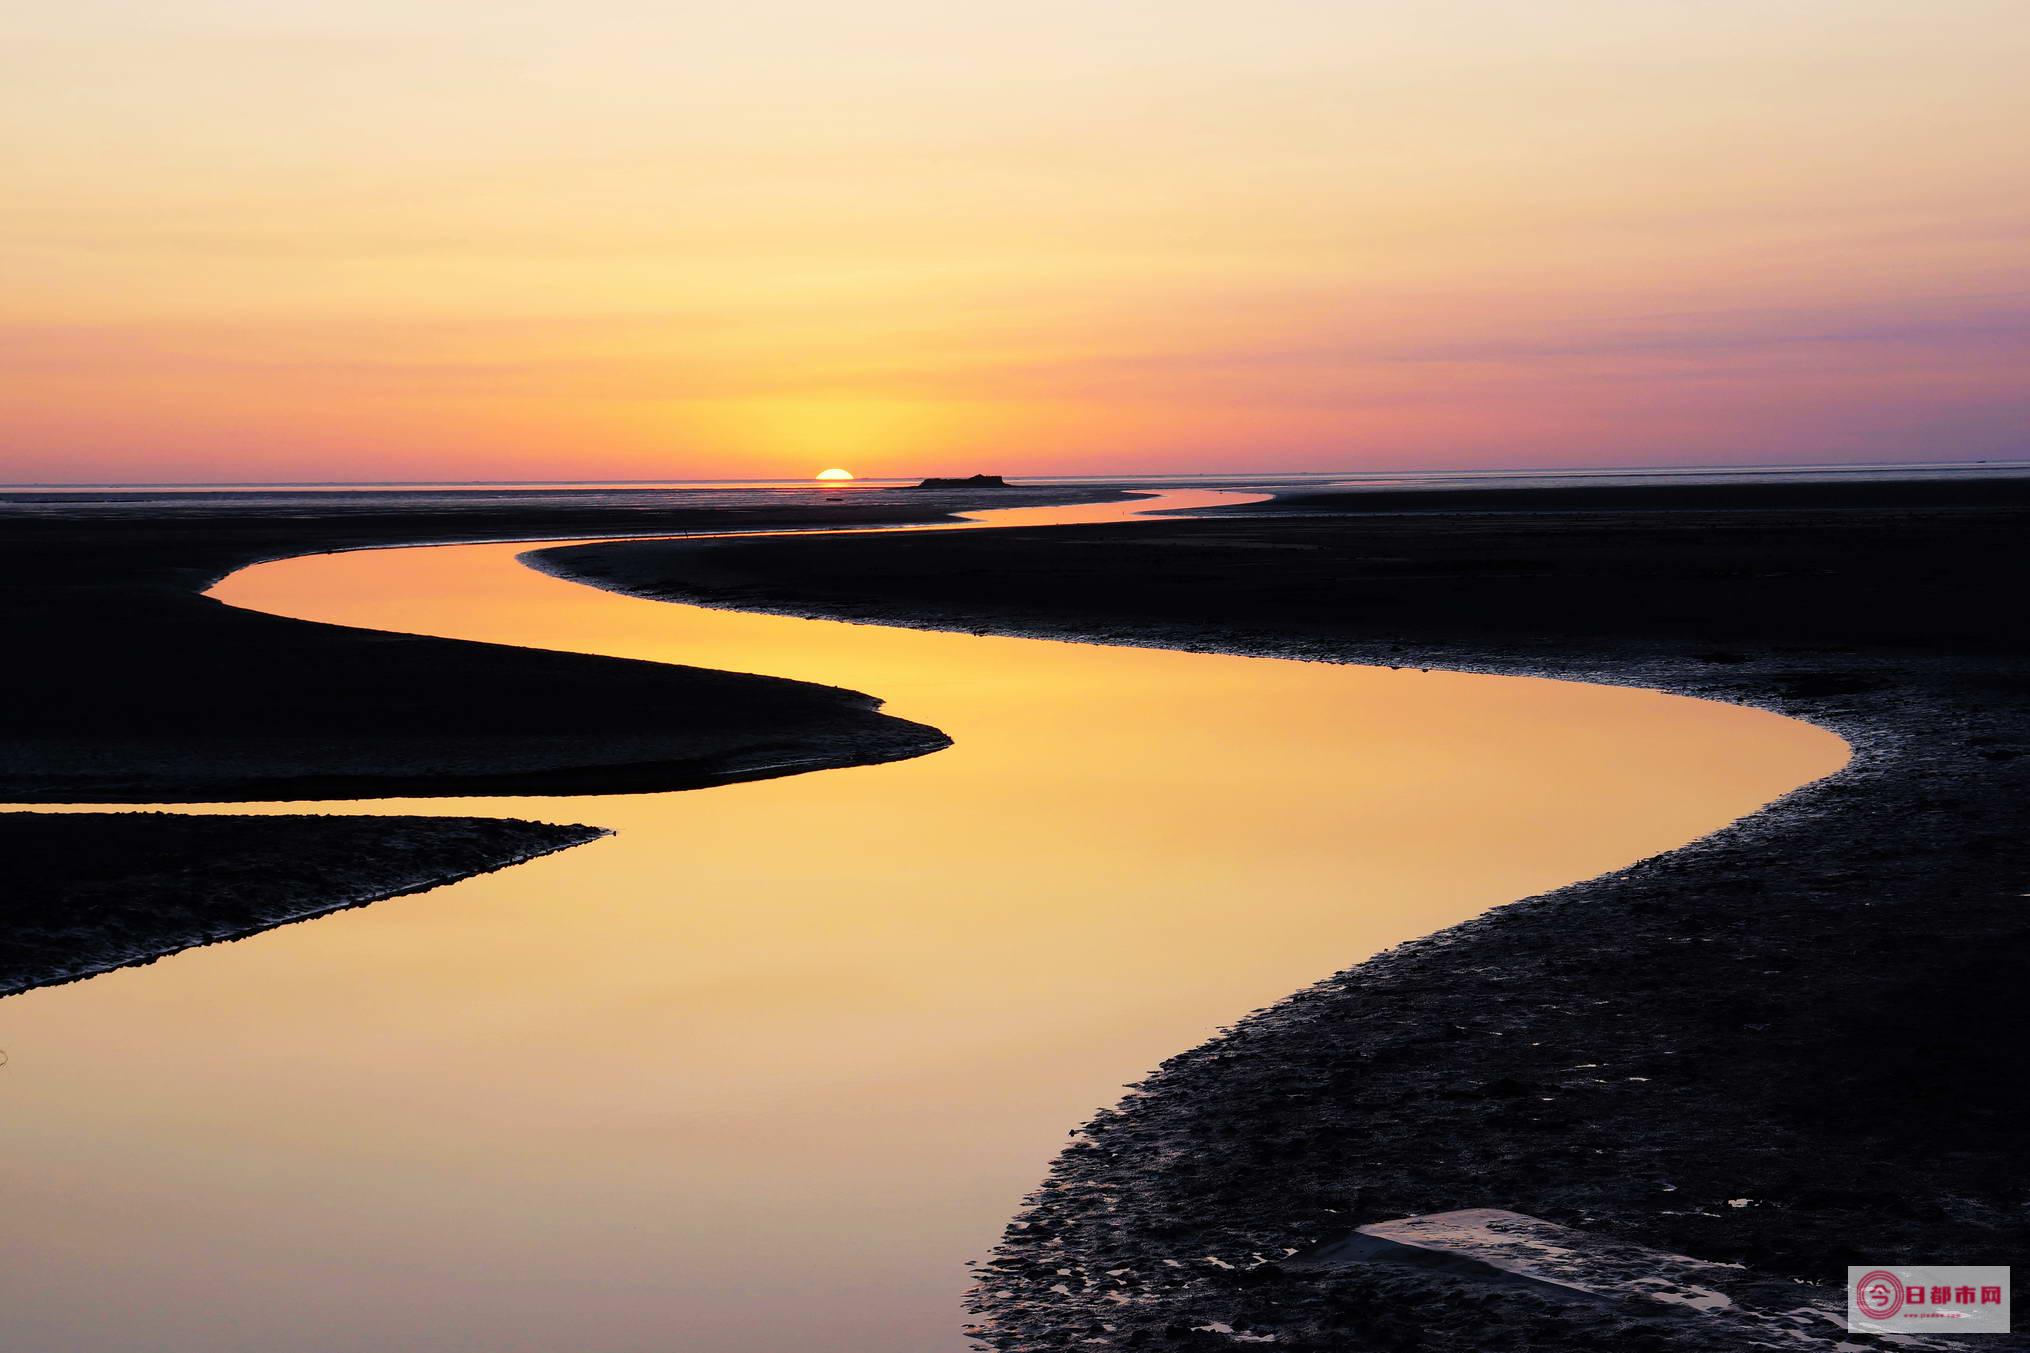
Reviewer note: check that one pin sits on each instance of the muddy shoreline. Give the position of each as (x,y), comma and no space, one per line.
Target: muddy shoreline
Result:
(128,686)
(132,687)
(1788,1046)
(91,892)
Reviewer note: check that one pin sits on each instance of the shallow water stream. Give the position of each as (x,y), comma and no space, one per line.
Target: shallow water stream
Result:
(765,1068)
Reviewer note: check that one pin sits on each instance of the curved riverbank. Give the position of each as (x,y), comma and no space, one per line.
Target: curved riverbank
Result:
(765,1017)
(230,704)
(1778,1047)
(125,685)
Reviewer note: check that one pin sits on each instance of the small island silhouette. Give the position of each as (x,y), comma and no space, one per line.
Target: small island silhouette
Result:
(978,481)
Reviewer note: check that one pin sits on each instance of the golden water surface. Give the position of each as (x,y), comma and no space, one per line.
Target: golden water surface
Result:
(765,1068)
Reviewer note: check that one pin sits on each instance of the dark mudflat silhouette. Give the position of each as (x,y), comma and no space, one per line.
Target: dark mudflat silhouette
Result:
(1789,1045)
(90,892)
(125,685)
(1921,566)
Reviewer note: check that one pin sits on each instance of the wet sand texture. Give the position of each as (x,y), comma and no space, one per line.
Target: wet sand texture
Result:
(1785,1046)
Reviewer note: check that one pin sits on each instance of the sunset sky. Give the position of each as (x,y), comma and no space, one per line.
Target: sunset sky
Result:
(622,239)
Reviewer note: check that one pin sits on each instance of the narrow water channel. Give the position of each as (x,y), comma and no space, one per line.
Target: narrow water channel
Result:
(761,1071)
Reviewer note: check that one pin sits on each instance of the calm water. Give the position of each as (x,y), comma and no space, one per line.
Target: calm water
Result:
(764,1069)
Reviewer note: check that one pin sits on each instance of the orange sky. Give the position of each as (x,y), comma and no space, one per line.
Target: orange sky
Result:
(623,239)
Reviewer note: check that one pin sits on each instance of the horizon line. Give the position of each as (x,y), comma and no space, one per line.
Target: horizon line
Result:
(1734,468)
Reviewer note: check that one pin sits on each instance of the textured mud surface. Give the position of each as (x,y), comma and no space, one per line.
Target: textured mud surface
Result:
(1793,1045)
(89,892)
(1782,1047)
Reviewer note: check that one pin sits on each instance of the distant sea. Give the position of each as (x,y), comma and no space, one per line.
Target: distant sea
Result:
(1346,479)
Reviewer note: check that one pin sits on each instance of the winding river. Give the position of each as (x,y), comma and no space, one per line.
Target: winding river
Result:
(764,1068)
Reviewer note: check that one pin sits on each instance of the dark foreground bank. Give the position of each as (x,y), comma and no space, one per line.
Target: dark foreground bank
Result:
(1794,1045)
(90,892)
(125,685)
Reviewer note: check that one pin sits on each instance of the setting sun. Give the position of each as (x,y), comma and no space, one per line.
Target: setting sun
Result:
(835,473)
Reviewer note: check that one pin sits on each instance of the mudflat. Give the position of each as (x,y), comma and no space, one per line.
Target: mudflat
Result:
(1786,1046)
(126,685)
(90,892)
(131,686)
